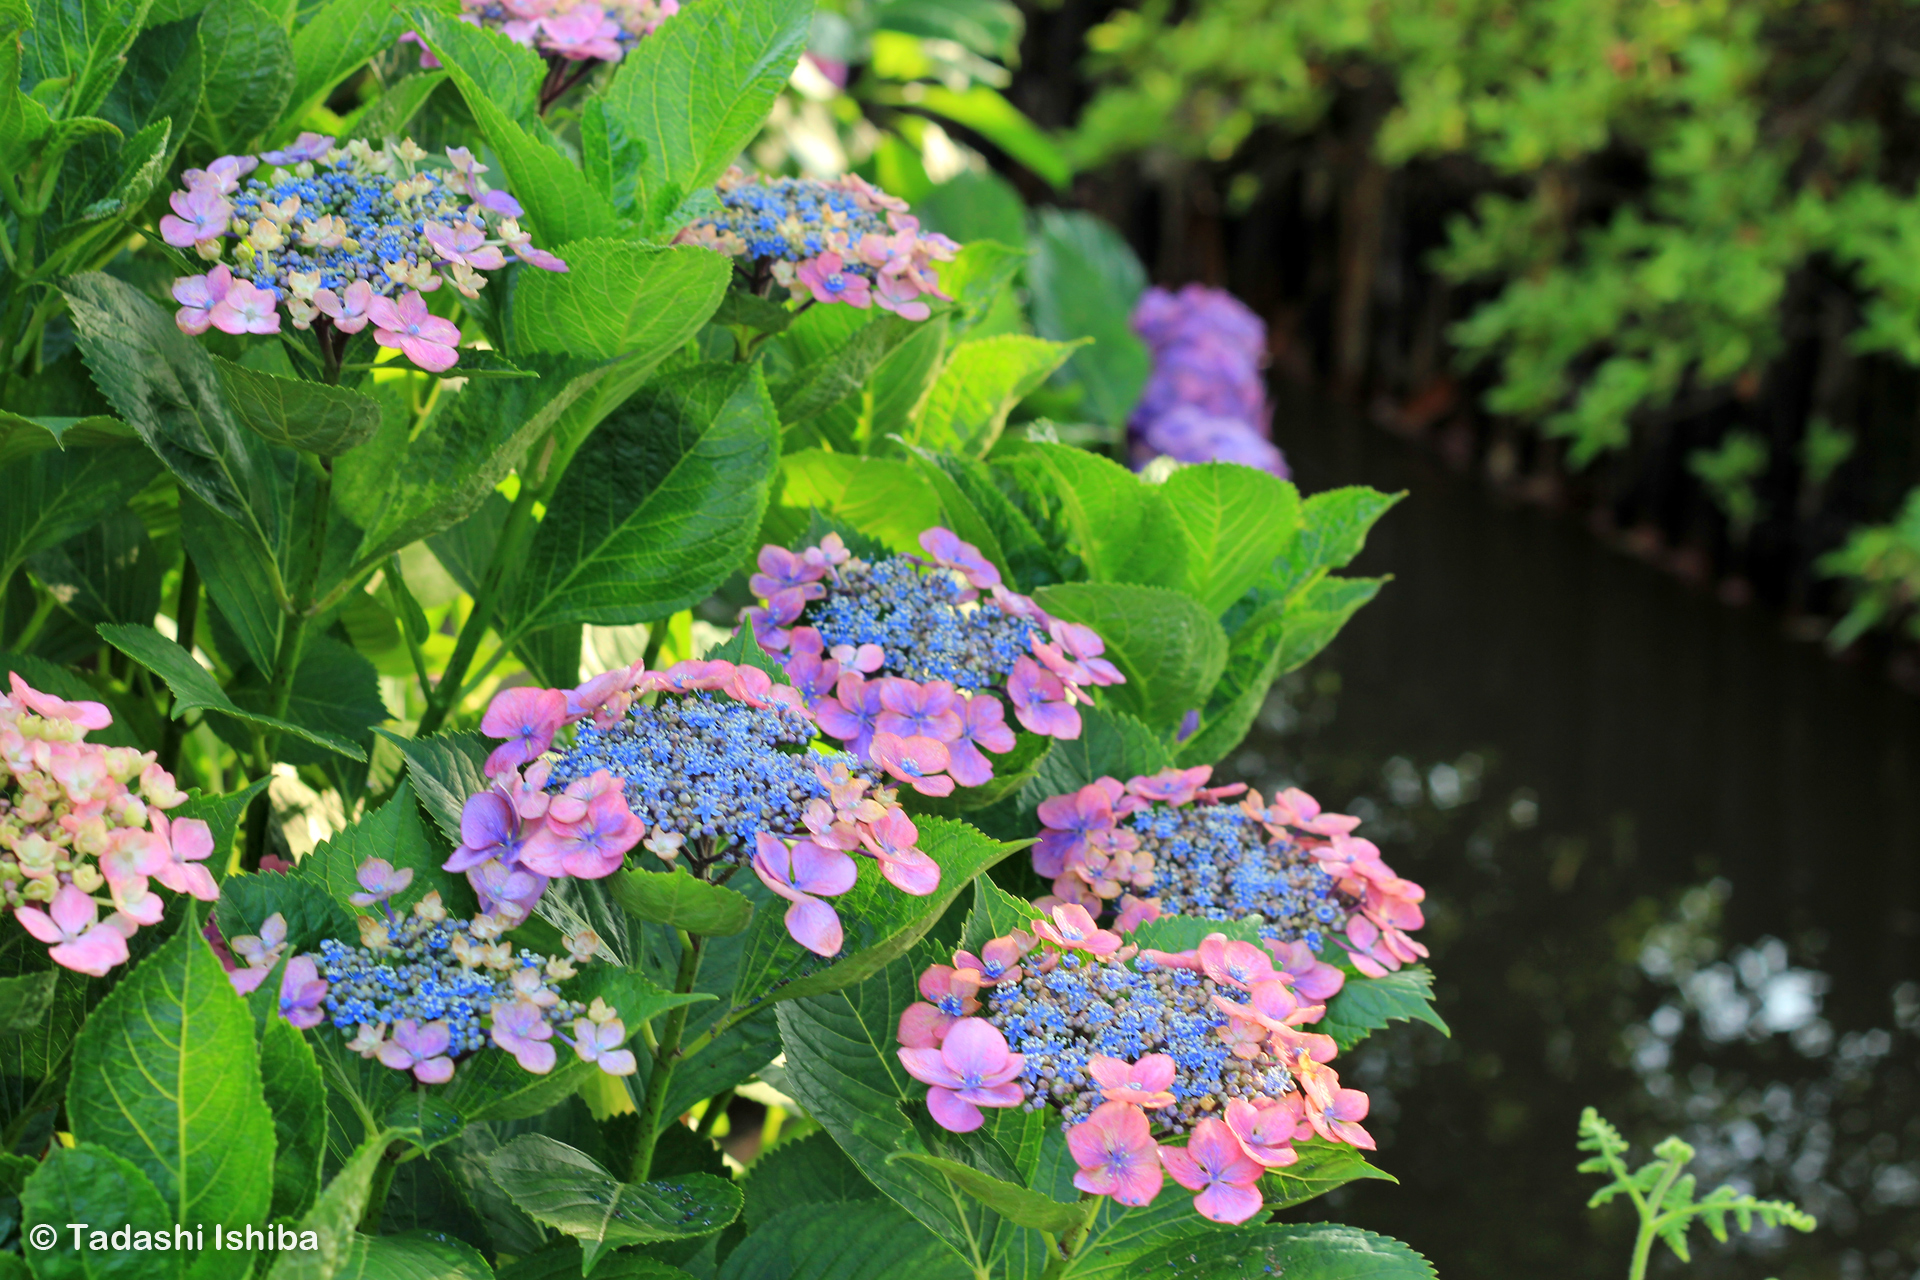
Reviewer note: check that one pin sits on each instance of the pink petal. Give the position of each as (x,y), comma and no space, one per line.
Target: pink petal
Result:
(815,926)
(1228,1202)
(929,1066)
(975,1048)
(952,1112)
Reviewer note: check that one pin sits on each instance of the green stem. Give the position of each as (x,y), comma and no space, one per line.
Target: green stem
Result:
(186,622)
(665,1059)
(377,1191)
(518,528)
(286,663)
(1071,1239)
(42,610)
(1650,1221)
(716,1107)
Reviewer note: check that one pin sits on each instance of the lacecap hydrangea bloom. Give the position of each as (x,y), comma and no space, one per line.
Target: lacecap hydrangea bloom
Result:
(1168,843)
(1206,400)
(83,827)
(709,765)
(566,30)
(1136,1049)
(912,661)
(842,240)
(423,990)
(343,238)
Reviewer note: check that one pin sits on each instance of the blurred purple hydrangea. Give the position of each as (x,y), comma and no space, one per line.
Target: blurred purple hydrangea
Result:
(1206,400)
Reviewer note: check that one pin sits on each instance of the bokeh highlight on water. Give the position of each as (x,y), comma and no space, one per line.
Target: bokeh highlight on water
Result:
(1673,870)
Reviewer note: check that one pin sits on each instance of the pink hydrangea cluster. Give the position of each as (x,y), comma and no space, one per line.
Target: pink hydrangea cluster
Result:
(704,771)
(1168,843)
(842,240)
(912,661)
(343,237)
(1139,1049)
(78,819)
(517,835)
(424,990)
(565,30)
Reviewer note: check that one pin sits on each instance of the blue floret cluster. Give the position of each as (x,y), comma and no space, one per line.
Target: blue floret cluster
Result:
(1126,1010)
(1216,862)
(922,624)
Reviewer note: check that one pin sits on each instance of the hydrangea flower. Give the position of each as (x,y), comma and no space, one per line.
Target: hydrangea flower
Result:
(1299,873)
(717,771)
(340,237)
(77,819)
(913,661)
(424,991)
(1206,400)
(565,31)
(1137,1051)
(842,240)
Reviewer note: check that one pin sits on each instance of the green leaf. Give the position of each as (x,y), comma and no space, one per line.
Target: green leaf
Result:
(1315,616)
(1166,643)
(809,1170)
(109,573)
(1333,529)
(561,1261)
(414,1256)
(662,508)
(194,689)
(1321,1251)
(334,1215)
(402,485)
(977,277)
(836,350)
(169,390)
(242,578)
(1011,1201)
(566,1190)
(1084,281)
(24,1001)
(843,1069)
(988,113)
(334,43)
(982,381)
(619,298)
(1366,1005)
(1237,521)
(23,437)
(1254,652)
(1112,744)
(1321,1167)
(687,99)
(166,1075)
(562,206)
(297,1097)
(445,769)
(54,496)
(311,912)
(299,415)
(248,59)
(90,1184)
(762,315)
(880,922)
(872,1240)
(335,695)
(1122,528)
(676,899)
(395,833)
(885,498)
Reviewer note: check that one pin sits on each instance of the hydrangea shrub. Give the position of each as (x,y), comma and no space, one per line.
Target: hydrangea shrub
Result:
(407,867)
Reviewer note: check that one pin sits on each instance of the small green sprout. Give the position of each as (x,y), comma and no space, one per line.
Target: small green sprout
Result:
(1663,1194)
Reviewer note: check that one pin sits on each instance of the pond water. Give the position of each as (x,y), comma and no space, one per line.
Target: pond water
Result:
(1672,862)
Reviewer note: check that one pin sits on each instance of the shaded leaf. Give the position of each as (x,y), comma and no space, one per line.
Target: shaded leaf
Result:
(165,1074)
(1167,644)
(297,1097)
(445,769)
(91,1185)
(1321,1251)
(1084,281)
(871,1240)
(109,573)
(56,495)
(193,686)
(676,899)
(1011,1201)
(568,1191)
(297,414)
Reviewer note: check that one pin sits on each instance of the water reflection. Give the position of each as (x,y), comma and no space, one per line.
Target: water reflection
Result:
(1673,870)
